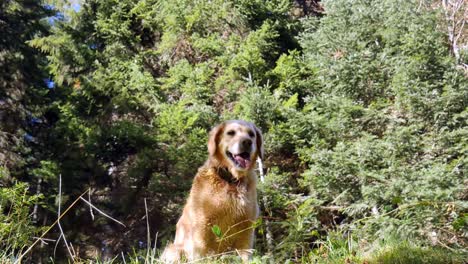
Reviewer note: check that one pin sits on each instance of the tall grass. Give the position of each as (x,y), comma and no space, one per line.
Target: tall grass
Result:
(335,249)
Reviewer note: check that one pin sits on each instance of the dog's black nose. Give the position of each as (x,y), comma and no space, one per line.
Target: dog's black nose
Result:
(246,144)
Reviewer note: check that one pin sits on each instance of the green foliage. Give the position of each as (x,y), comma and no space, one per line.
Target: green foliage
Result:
(363,112)
(181,132)
(291,74)
(374,133)
(251,60)
(188,83)
(48,170)
(217,231)
(408,253)
(24,98)
(16,227)
(259,106)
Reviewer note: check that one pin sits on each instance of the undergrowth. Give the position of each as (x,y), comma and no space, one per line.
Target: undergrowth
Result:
(336,248)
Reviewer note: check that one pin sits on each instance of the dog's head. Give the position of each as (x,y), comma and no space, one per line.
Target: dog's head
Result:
(236,144)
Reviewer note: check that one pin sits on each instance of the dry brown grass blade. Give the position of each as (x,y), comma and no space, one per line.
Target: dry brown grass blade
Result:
(62,234)
(50,227)
(101,212)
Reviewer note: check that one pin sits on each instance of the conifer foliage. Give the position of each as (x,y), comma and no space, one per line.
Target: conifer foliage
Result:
(23,102)
(362,105)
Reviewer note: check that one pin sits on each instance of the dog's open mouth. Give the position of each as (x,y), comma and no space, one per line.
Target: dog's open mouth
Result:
(241,160)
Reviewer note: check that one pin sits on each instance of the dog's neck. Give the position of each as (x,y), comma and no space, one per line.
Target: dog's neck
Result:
(227,176)
(232,177)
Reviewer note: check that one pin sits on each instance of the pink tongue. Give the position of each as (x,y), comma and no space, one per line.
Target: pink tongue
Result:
(244,163)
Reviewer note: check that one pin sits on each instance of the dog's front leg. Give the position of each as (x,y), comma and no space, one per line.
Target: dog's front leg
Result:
(198,245)
(244,245)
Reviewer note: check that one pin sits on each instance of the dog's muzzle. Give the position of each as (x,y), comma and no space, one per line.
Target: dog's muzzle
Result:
(240,153)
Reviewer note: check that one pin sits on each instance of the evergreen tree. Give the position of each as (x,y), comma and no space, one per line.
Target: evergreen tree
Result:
(361,104)
(24,99)
(139,85)
(382,132)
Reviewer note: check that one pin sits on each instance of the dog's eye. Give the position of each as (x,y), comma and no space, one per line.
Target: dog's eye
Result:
(231,132)
(251,134)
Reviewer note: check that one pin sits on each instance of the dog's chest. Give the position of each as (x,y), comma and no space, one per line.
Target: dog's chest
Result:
(234,196)
(222,201)
(234,201)
(234,210)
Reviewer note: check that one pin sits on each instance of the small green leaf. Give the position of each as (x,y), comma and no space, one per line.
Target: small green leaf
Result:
(217,231)
(258,222)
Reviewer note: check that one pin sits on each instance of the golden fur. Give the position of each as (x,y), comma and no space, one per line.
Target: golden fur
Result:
(224,194)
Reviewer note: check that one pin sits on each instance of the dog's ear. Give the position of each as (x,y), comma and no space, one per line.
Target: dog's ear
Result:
(213,140)
(259,139)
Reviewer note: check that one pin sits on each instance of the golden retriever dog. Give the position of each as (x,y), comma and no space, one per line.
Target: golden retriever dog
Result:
(223,197)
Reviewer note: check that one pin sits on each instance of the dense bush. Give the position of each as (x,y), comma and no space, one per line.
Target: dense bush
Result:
(376,131)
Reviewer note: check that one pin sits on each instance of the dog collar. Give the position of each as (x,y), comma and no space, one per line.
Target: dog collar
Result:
(227,176)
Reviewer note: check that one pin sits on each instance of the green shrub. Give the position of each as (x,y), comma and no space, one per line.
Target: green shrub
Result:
(16,226)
